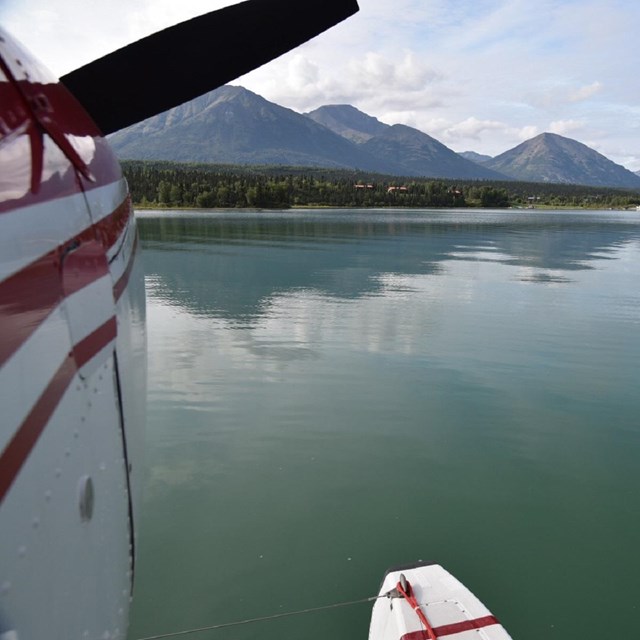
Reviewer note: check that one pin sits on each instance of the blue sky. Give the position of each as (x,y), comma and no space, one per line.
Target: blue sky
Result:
(480,75)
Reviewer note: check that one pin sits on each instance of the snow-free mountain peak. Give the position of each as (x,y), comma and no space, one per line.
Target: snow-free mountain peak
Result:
(424,155)
(480,158)
(550,157)
(347,121)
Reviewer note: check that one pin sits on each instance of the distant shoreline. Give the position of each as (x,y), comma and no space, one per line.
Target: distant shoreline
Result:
(177,186)
(160,208)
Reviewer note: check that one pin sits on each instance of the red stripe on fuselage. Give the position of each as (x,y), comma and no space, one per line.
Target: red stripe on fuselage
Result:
(29,296)
(120,286)
(94,342)
(24,440)
(109,229)
(26,299)
(455,627)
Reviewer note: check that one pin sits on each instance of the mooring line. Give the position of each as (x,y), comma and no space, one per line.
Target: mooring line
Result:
(264,618)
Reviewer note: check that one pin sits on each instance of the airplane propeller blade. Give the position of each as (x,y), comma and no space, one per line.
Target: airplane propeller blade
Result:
(187,60)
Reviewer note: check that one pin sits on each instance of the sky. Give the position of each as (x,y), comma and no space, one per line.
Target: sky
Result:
(478,75)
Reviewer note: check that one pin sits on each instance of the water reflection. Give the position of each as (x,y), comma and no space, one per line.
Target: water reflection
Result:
(347,254)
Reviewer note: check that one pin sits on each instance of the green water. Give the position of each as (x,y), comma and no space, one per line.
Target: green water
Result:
(335,392)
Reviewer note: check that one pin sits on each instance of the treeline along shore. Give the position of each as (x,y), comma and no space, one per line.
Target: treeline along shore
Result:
(170,184)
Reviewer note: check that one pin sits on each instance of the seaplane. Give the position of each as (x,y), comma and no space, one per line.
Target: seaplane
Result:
(72,322)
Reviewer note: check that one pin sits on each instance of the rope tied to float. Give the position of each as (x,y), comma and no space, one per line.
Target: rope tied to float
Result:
(263,619)
(406,591)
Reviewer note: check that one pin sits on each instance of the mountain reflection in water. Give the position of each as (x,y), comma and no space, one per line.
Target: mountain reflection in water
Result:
(344,255)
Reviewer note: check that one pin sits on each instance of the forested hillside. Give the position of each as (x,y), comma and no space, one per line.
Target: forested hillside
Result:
(165,184)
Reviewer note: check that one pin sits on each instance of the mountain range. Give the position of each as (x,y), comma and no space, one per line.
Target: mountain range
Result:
(232,125)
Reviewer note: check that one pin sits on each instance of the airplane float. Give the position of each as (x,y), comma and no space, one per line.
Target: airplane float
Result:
(72,329)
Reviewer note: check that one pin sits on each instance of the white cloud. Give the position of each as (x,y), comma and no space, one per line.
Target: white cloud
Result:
(302,73)
(555,94)
(585,92)
(373,74)
(472,128)
(475,133)
(370,81)
(564,127)
(525,133)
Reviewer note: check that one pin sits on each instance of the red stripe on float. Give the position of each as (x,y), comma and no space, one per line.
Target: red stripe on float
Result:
(24,440)
(465,625)
(455,627)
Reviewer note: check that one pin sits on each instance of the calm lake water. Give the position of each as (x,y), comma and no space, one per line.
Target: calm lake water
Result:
(334,392)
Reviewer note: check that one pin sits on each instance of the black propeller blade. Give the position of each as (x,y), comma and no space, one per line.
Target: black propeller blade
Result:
(187,60)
